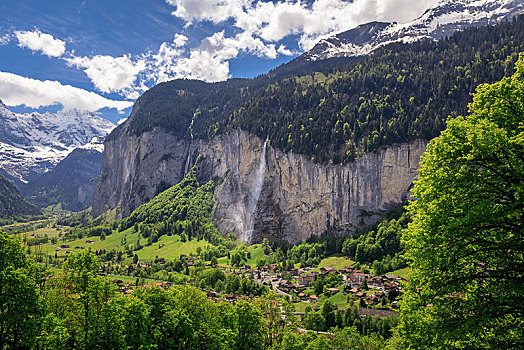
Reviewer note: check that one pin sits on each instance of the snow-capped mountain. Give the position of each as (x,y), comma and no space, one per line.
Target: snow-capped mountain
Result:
(442,19)
(32,144)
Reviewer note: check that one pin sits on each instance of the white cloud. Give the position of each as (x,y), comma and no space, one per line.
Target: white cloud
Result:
(38,41)
(283,50)
(215,11)
(273,21)
(110,74)
(180,40)
(4,39)
(16,90)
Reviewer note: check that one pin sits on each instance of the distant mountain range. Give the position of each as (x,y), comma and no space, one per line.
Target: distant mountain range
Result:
(32,144)
(441,20)
(53,158)
(70,184)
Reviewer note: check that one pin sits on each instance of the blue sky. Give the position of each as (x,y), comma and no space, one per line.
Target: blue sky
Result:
(101,55)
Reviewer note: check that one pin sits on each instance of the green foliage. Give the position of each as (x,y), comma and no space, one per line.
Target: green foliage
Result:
(398,94)
(465,241)
(184,209)
(12,205)
(379,243)
(20,304)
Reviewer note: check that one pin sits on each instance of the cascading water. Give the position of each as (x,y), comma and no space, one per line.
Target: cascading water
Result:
(186,169)
(253,197)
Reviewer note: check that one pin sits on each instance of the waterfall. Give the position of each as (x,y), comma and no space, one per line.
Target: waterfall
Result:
(186,169)
(254,195)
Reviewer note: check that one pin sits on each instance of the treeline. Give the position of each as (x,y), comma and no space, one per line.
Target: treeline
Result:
(328,317)
(378,246)
(400,93)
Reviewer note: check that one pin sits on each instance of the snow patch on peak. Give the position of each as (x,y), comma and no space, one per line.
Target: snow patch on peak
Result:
(33,143)
(440,20)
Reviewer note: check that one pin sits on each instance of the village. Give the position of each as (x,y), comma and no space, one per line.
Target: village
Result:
(373,295)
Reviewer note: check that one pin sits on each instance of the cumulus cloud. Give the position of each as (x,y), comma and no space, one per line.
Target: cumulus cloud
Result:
(252,27)
(17,90)
(274,20)
(38,41)
(110,74)
(180,40)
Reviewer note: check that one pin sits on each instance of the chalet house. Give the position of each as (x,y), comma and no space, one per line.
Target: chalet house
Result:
(285,285)
(353,282)
(313,298)
(302,296)
(389,286)
(372,299)
(360,295)
(377,281)
(391,277)
(299,287)
(360,275)
(327,270)
(307,278)
(272,267)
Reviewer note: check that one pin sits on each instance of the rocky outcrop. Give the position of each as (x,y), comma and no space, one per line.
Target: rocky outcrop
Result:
(298,199)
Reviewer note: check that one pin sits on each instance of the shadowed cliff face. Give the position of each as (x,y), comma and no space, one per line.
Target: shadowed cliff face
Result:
(298,198)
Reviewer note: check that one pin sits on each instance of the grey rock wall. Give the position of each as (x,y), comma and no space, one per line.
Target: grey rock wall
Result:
(299,198)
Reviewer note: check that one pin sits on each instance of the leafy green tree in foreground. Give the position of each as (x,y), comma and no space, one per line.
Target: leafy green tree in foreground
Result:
(20,304)
(466,239)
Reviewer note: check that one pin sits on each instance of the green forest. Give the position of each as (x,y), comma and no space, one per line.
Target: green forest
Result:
(335,114)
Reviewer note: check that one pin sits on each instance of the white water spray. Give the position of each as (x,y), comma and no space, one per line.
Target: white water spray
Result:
(186,169)
(253,197)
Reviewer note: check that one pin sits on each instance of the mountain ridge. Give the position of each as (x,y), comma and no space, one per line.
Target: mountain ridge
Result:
(440,20)
(12,205)
(33,143)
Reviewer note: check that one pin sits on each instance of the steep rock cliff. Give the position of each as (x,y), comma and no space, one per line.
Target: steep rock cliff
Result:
(298,198)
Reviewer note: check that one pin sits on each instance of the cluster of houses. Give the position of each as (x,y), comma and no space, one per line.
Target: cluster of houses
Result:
(354,282)
(126,288)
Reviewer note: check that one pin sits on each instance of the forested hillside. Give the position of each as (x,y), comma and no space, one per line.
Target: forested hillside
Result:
(400,93)
(12,205)
(334,114)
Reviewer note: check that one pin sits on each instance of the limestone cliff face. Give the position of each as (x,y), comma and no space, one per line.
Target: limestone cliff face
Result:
(298,198)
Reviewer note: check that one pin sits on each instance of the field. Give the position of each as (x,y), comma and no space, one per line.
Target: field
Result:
(257,254)
(403,273)
(336,261)
(172,248)
(340,300)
